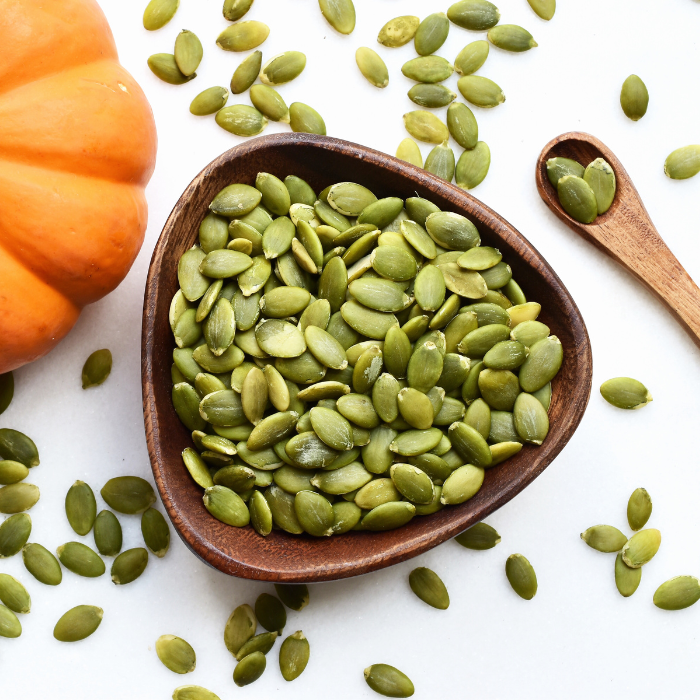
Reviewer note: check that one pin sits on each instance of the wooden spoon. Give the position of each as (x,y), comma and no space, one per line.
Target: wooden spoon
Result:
(290,558)
(625,232)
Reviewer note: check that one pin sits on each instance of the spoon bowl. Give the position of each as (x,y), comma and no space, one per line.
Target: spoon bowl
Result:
(287,558)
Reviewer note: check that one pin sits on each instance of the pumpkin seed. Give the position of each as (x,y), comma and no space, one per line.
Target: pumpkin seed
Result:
(340,14)
(193,692)
(634,97)
(627,579)
(305,119)
(234,201)
(158,13)
(261,643)
(283,68)
(557,168)
(14,533)
(80,559)
(530,417)
(408,150)
(164,66)
(428,586)
(78,623)
(543,8)
(155,531)
(18,447)
(315,513)
(683,163)
(472,57)
(604,538)
(294,656)
(441,162)
(462,125)
(188,52)
(677,593)
(480,536)
(346,516)
(129,565)
(577,198)
(470,443)
(511,37)
(240,627)
(473,166)
(108,533)
(197,468)
(425,126)
(235,9)
(226,505)
(12,472)
(294,595)
(16,498)
(393,263)
(601,179)
(641,548)
(389,681)
(463,484)
(427,69)
(375,493)
(521,576)
(270,613)
(624,392)
(241,120)
(639,509)
(431,33)
(372,67)
(243,36)
(249,669)
(41,564)
(398,31)
(14,595)
(412,483)
(300,191)
(260,513)
(480,91)
(176,654)
(388,516)
(96,368)
(209,101)
(542,364)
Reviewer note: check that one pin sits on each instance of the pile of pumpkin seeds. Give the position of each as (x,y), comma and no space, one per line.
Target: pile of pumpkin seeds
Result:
(633,553)
(126,494)
(584,193)
(373,374)
(242,120)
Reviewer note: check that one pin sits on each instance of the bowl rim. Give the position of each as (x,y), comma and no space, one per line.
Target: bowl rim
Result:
(468,205)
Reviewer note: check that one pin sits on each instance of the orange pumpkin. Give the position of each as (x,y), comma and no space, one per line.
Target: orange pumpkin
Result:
(77,148)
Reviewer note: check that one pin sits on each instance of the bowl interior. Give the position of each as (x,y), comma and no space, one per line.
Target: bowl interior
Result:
(280,556)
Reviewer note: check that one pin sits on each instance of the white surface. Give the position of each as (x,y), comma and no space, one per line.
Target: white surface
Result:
(578,638)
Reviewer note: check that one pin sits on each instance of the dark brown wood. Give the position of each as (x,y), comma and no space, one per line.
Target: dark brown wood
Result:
(625,232)
(282,557)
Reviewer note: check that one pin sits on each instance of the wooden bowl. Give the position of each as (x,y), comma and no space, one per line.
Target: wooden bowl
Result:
(287,558)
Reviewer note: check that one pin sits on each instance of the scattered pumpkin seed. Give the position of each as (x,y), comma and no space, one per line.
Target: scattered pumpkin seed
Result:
(511,37)
(14,533)
(428,586)
(398,31)
(158,13)
(243,36)
(108,534)
(480,536)
(188,52)
(340,14)
(639,509)
(683,163)
(634,97)
(209,101)
(164,66)
(78,623)
(155,531)
(388,681)
(521,576)
(677,593)
(41,564)
(372,67)
(604,538)
(624,392)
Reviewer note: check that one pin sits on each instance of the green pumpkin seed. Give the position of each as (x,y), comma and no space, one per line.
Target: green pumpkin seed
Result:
(520,313)
(332,428)
(193,692)
(158,13)
(241,120)
(235,9)
(641,548)
(294,595)
(472,57)
(349,198)
(471,444)
(388,516)
(398,31)
(478,416)
(601,179)
(275,196)
(393,263)
(249,669)
(294,655)
(372,67)
(235,201)
(497,276)
(521,576)
(375,493)
(128,494)
(625,392)
(340,14)
(677,593)
(14,533)
(305,119)
(389,681)
(283,68)
(416,442)
(293,480)
(96,368)
(243,36)
(431,33)
(18,447)
(245,75)
(243,234)
(279,338)
(427,69)
(480,91)
(473,166)
(315,513)
(577,198)
(530,417)
(479,341)
(41,564)
(346,516)
(639,509)
(300,191)
(462,125)
(480,537)
(415,408)
(14,595)
(305,369)
(412,483)
(261,643)
(343,480)
(634,97)
(307,451)
(428,586)
(408,150)
(240,627)
(542,365)
(604,538)
(226,362)
(155,531)
(425,126)
(260,514)
(188,52)
(511,37)
(376,453)
(164,66)
(627,579)
(324,390)
(108,534)
(452,231)
(270,613)
(499,388)
(683,163)
(557,168)
(476,15)
(12,472)
(80,559)
(176,654)
(197,468)
(464,483)
(129,565)
(397,352)
(209,101)
(282,509)
(236,478)
(530,332)
(543,8)
(78,623)
(441,162)
(17,498)
(81,507)
(227,506)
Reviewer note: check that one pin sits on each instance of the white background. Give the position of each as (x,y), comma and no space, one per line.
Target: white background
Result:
(578,638)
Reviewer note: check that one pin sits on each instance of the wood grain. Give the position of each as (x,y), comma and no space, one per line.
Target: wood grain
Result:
(280,556)
(625,232)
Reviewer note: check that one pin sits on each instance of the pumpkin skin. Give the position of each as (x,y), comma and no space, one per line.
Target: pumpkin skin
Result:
(77,148)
